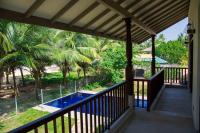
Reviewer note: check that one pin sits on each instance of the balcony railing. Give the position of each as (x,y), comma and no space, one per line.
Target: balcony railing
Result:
(175,75)
(98,112)
(94,114)
(146,90)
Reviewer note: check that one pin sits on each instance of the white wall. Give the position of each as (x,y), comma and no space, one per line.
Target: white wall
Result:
(194,18)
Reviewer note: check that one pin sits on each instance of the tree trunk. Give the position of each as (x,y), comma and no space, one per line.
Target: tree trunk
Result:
(22,76)
(85,76)
(64,73)
(1,77)
(7,77)
(78,73)
(14,82)
(36,87)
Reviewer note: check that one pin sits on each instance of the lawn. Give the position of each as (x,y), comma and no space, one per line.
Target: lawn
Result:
(28,116)
(56,77)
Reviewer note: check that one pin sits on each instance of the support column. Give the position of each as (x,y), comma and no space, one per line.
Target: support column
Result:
(190,62)
(129,66)
(153,62)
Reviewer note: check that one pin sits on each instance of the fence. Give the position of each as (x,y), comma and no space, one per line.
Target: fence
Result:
(94,114)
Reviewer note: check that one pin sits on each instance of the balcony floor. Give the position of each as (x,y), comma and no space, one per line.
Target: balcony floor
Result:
(172,114)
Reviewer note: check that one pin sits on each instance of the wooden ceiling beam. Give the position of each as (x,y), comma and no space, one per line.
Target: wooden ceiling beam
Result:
(107,21)
(68,6)
(84,13)
(171,18)
(19,17)
(166,24)
(167,14)
(121,34)
(134,30)
(162,2)
(172,13)
(138,32)
(174,16)
(110,18)
(161,11)
(127,8)
(144,39)
(125,14)
(33,8)
(106,11)
(142,6)
(170,23)
(118,30)
(121,21)
(116,8)
(144,34)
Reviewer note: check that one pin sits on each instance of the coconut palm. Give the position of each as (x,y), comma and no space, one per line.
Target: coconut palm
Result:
(5,44)
(65,53)
(29,50)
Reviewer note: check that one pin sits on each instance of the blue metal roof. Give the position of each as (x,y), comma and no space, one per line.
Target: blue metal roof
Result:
(158,60)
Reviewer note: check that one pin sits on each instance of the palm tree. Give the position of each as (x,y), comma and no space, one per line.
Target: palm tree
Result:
(29,50)
(64,52)
(5,44)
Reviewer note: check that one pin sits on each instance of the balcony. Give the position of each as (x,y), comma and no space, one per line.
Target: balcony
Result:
(156,103)
(135,105)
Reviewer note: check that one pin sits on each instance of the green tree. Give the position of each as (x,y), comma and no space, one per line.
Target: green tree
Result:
(113,63)
(29,50)
(5,44)
(64,52)
(172,51)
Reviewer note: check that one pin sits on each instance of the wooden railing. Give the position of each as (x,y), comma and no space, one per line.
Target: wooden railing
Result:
(140,92)
(175,75)
(94,114)
(154,86)
(146,90)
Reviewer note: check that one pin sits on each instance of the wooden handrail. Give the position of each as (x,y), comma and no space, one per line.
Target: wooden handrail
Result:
(50,117)
(155,75)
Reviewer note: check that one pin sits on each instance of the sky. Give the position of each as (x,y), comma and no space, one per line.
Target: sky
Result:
(172,32)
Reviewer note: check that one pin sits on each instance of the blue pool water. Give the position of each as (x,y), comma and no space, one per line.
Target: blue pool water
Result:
(68,100)
(78,96)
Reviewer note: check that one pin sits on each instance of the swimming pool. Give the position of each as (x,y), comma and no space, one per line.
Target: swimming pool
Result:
(78,96)
(68,100)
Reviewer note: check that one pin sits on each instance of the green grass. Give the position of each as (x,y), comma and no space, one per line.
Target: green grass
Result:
(97,86)
(28,116)
(55,77)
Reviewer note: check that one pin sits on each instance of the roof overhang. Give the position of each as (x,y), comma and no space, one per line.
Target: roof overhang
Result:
(98,17)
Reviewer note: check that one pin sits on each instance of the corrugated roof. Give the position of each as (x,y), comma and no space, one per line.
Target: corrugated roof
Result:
(98,17)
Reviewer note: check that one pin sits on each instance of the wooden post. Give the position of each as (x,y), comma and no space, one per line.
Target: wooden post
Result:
(129,66)
(153,62)
(190,62)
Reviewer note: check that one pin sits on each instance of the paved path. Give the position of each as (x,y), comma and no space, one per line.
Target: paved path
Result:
(171,115)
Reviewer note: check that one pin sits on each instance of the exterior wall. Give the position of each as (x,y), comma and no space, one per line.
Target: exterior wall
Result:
(194,19)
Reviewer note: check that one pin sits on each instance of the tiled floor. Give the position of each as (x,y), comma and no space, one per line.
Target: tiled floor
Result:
(171,115)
